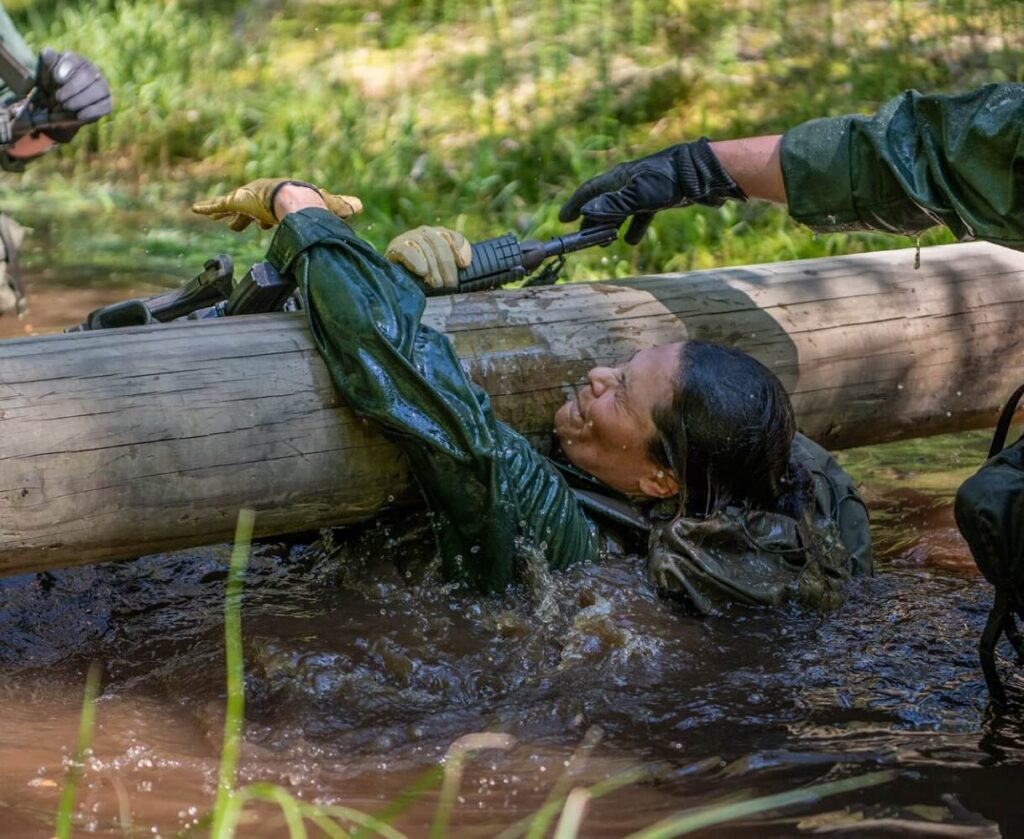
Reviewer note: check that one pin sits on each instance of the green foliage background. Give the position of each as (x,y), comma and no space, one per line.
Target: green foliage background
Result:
(484,115)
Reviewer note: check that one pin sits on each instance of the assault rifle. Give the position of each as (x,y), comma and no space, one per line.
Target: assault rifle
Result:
(213,293)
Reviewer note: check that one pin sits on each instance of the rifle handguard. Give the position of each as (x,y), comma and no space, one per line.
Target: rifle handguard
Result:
(506,260)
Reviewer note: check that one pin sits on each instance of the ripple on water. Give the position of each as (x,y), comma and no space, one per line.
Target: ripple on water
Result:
(362,668)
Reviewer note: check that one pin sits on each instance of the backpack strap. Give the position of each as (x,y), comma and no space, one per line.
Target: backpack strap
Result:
(1005,419)
(603,502)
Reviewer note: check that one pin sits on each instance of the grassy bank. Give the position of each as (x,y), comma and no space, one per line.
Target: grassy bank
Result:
(484,115)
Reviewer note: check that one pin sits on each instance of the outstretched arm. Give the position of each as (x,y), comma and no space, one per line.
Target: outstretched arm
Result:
(920,161)
(492,495)
(755,164)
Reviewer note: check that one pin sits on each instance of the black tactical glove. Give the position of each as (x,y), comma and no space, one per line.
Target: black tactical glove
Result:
(688,173)
(69,82)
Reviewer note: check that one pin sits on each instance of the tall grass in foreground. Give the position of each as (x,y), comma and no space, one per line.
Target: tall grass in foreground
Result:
(565,802)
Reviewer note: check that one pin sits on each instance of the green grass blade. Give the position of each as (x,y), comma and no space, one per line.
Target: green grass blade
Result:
(572,814)
(65,810)
(453,765)
(628,777)
(291,807)
(368,823)
(235,713)
(404,800)
(717,814)
(327,826)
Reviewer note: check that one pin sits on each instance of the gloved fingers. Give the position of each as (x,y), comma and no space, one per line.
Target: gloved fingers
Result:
(460,247)
(216,208)
(638,227)
(48,57)
(91,95)
(605,182)
(243,199)
(83,82)
(441,254)
(614,207)
(97,110)
(435,275)
(405,251)
(240,222)
(343,206)
(67,66)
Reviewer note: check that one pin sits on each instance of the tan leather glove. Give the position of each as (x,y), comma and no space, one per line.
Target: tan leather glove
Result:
(255,202)
(434,253)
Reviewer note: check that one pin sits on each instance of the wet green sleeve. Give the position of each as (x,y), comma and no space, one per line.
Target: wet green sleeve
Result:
(495,501)
(920,161)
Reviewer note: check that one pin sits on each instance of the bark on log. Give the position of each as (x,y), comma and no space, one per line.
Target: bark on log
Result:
(133,441)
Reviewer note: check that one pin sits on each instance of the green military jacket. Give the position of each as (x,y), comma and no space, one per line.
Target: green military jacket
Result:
(494,499)
(920,161)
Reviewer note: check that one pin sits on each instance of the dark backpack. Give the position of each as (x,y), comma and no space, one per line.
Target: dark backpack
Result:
(989,511)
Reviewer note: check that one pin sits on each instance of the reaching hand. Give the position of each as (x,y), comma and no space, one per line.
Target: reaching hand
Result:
(68,81)
(433,253)
(255,202)
(688,173)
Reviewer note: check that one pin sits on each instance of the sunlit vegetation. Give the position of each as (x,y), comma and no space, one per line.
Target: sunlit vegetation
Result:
(484,115)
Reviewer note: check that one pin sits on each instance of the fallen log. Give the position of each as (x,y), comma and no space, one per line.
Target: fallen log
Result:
(148,439)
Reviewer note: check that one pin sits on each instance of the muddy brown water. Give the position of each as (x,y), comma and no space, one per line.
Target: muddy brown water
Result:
(362,669)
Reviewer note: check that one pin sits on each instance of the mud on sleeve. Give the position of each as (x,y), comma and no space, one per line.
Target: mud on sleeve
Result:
(364,313)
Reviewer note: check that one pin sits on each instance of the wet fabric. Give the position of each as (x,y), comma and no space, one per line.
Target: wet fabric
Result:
(920,161)
(495,501)
(759,558)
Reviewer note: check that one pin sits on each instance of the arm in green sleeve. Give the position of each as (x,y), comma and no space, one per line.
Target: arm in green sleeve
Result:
(920,161)
(492,496)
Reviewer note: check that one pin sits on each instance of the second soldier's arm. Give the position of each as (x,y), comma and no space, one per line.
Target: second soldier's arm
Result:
(920,161)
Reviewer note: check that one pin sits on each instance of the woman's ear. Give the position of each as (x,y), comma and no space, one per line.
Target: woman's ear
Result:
(659,483)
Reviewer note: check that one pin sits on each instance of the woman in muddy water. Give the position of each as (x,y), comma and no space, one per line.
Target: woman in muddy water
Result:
(688,446)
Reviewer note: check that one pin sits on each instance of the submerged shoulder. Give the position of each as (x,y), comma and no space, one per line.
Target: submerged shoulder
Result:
(836,498)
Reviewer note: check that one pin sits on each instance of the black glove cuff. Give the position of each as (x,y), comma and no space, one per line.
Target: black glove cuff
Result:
(702,177)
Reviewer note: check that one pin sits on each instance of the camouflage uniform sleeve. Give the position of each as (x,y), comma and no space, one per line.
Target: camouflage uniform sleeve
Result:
(836,498)
(920,161)
(493,498)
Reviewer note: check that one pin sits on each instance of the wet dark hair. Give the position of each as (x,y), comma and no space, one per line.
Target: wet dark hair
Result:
(727,434)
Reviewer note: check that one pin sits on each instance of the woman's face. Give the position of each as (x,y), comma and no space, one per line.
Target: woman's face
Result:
(605,430)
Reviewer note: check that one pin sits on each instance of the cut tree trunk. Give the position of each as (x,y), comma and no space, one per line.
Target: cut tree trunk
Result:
(132,441)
